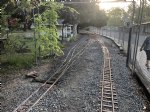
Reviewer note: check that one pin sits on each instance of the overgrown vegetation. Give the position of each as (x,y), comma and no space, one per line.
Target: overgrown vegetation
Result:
(18,44)
(16,60)
(20,51)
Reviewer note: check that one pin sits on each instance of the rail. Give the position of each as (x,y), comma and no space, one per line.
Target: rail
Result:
(37,95)
(109,101)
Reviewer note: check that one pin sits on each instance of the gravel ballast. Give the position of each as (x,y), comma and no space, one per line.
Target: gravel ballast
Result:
(79,89)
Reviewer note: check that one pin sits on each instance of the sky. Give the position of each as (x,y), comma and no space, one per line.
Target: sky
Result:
(124,5)
(108,6)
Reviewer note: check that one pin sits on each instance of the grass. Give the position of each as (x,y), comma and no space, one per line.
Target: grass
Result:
(12,59)
(19,57)
(72,39)
(17,60)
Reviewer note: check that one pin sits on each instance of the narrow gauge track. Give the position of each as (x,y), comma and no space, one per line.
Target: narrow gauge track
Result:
(109,101)
(74,53)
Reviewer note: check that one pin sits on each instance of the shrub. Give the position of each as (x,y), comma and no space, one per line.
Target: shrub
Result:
(18,44)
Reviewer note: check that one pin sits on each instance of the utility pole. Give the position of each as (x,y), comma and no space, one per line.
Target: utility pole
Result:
(130,37)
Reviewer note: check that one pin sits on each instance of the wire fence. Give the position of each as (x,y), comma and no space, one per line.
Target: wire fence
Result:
(120,35)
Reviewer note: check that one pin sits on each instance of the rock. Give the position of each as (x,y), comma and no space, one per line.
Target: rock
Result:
(32,74)
(144,108)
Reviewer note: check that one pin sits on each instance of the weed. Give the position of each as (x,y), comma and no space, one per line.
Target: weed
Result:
(72,39)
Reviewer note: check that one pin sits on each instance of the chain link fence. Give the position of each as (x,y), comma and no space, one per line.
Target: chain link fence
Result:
(120,35)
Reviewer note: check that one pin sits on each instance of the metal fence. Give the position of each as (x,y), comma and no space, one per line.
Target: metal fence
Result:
(121,36)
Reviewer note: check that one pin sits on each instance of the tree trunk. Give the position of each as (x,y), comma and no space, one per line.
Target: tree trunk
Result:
(75,30)
(62,32)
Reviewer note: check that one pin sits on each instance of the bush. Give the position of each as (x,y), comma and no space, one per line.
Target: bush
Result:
(18,44)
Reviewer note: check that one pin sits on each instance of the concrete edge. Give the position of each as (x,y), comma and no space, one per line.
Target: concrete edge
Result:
(119,46)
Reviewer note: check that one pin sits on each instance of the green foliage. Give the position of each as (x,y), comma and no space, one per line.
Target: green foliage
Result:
(146,15)
(115,16)
(70,15)
(17,47)
(18,44)
(18,52)
(17,60)
(118,16)
(89,13)
(72,39)
(3,21)
(100,18)
(2,2)
(47,38)
(146,12)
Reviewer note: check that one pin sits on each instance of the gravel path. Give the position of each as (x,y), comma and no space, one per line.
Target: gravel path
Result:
(78,90)
(15,91)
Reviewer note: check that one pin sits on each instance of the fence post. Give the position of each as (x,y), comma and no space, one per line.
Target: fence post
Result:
(119,35)
(110,31)
(129,47)
(35,52)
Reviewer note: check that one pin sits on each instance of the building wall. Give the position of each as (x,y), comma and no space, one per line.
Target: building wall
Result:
(145,28)
(67,31)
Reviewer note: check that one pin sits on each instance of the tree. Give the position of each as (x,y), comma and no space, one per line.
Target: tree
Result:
(146,12)
(89,13)
(70,16)
(100,18)
(115,16)
(3,2)
(45,22)
(146,15)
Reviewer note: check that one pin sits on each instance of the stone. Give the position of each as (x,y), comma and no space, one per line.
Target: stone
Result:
(32,74)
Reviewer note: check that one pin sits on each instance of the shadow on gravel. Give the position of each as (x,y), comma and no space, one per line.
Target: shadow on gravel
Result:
(142,90)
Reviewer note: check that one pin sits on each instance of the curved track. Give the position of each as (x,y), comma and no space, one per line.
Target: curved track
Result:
(74,53)
(109,101)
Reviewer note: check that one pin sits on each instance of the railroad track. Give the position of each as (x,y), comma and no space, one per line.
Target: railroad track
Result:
(109,101)
(74,53)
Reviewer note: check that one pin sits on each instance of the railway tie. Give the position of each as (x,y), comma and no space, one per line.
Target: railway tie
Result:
(108,92)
